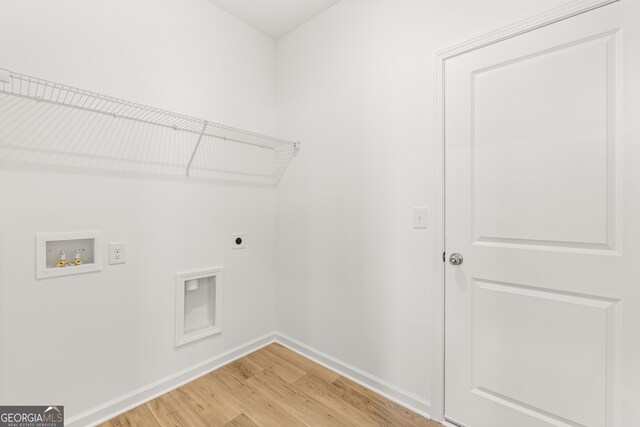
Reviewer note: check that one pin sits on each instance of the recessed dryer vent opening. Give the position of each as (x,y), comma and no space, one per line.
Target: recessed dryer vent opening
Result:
(198,305)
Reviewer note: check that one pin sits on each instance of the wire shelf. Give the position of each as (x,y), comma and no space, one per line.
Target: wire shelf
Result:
(42,122)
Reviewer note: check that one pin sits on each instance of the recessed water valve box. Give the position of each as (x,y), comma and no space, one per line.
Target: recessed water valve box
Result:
(62,254)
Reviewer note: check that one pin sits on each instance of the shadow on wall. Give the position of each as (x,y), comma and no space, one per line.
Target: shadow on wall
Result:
(45,124)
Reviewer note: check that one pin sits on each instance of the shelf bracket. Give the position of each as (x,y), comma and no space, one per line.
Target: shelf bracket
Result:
(193,155)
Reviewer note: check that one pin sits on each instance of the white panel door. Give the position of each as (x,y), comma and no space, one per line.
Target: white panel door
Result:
(542,201)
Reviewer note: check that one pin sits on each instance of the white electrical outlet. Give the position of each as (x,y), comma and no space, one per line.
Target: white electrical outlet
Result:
(238,240)
(117,253)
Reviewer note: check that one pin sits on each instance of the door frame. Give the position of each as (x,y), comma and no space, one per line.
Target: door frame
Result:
(440,58)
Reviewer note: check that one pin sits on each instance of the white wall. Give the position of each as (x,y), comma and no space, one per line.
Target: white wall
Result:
(86,339)
(355,84)
(353,278)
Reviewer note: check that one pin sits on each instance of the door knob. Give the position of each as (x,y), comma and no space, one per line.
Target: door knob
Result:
(455,259)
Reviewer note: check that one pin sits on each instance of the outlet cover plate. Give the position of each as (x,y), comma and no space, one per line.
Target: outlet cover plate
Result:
(117,254)
(238,240)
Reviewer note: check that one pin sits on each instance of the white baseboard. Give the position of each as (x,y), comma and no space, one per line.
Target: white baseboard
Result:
(124,403)
(384,388)
(121,404)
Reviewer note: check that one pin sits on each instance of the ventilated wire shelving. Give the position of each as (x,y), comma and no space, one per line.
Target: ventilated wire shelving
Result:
(47,123)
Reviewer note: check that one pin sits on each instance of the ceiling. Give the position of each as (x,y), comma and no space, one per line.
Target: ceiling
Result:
(275,18)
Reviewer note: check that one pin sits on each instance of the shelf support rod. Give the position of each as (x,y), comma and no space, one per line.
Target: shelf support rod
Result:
(193,155)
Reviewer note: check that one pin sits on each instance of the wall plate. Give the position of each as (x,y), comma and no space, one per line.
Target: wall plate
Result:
(117,253)
(238,240)
(420,217)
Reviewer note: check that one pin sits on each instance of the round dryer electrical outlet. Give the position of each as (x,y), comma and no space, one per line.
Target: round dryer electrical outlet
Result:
(238,240)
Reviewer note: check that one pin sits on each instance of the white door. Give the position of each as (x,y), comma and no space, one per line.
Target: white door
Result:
(542,148)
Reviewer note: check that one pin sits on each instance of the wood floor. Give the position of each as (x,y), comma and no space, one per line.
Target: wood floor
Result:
(271,387)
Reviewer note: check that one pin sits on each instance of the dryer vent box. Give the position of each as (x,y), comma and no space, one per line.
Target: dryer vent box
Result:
(198,305)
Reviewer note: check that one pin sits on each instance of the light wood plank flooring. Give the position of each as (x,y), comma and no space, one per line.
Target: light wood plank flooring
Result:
(273,386)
